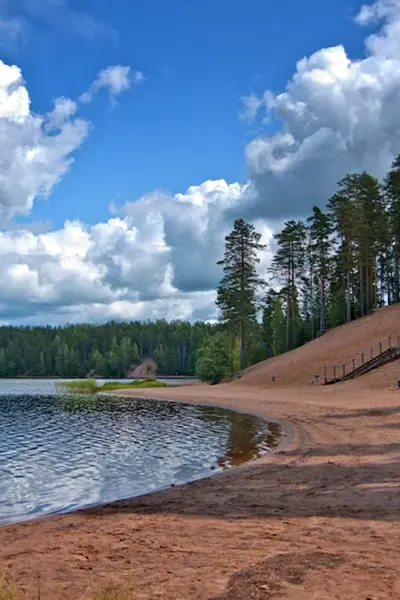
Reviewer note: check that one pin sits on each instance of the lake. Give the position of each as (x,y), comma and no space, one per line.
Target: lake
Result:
(61,452)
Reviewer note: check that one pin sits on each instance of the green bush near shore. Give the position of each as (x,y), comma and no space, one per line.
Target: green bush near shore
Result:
(117,385)
(90,386)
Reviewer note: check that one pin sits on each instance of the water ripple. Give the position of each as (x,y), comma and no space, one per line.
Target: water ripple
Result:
(60,453)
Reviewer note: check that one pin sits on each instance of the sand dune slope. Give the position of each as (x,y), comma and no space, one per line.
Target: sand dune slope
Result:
(335,347)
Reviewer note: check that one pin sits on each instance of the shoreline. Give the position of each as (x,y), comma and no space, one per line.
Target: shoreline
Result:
(317,518)
(285,440)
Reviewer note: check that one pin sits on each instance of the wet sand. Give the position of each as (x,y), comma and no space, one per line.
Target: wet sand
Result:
(318,520)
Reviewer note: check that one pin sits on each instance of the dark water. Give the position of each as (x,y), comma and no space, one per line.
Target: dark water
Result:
(61,453)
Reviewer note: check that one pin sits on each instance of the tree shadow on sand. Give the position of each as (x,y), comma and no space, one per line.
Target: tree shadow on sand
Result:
(333,488)
(360,480)
(385,411)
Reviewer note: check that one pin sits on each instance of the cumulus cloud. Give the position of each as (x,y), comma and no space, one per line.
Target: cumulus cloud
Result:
(193,225)
(156,260)
(337,115)
(251,106)
(36,151)
(115,79)
(32,159)
(64,109)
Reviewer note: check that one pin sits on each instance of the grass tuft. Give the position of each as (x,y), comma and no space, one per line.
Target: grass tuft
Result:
(113,593)
(80,386)
(147,383)
(8,591)
(90,386)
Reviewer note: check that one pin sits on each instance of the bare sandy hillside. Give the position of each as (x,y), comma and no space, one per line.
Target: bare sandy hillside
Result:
(335,347)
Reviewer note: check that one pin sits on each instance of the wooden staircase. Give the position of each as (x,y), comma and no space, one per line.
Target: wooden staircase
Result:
(382,353)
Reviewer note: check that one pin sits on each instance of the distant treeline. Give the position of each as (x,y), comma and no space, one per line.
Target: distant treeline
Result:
(108,350)
(335,266)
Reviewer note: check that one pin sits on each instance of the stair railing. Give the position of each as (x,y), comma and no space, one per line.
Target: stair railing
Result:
(334,373)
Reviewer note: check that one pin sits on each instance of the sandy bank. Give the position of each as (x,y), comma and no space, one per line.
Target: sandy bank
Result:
(320,521)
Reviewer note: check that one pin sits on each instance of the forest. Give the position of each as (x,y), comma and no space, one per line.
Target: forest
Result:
(335,266)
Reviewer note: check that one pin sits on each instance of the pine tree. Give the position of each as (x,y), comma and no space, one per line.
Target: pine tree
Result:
(341,210)
(369,208)
(288,267)
(3,363)
(320,248)
(392,191)
(267,324)
(278,327)
(237,296)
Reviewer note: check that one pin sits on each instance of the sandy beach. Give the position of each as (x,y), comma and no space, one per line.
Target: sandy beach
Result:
(317,520)
(320,520)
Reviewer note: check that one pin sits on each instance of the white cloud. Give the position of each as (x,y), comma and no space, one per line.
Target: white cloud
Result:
(32,160)
(64,109)
(381,9)
(138,77)
(36,151)
(115,79)
(156,260)
(10,28)
(338,115)
(27,19)
(14,97)
(251,105)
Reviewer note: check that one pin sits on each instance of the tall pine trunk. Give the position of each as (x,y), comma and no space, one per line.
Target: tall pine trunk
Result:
(242,360)
(362,310)
(322,307)
(396,272)
(241,347)
(348,297)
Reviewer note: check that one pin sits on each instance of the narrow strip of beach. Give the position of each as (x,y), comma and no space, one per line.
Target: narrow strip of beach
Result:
(318,519)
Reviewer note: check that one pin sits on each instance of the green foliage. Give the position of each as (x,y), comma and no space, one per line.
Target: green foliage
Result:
(267,331)
(278,327)
(80,386)
(392,196)
(288,268)
(237,296)
(320,260)
(214,358)
(90,386)
(117,385)
(236,355)
(109,350)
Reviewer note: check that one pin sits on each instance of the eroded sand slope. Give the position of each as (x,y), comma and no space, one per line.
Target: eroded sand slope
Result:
(334,348)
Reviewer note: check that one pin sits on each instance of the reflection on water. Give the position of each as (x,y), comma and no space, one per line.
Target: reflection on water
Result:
(60,453)
(248,439)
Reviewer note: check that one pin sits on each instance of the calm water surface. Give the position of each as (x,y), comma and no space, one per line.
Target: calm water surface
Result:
(63,452)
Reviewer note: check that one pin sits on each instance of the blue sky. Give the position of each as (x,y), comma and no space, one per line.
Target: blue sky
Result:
(181,127)
(151,126)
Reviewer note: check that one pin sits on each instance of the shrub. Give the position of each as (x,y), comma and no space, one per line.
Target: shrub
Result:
(81,386)
(117,385)
(214,360)
(90,386)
